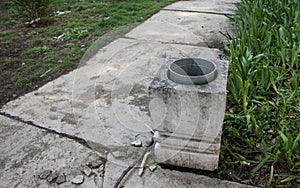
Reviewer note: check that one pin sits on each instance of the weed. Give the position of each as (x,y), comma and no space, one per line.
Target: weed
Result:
(32,33)
(75,33)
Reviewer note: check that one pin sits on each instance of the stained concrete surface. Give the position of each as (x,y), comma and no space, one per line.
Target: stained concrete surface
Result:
(105,102)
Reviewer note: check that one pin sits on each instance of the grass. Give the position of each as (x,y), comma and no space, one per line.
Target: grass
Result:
(262,124)
(57,42)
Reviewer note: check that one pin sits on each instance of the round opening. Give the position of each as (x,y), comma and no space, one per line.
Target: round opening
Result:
(192,71)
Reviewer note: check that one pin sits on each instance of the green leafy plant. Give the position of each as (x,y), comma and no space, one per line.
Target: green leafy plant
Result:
(75,33)
(263,89)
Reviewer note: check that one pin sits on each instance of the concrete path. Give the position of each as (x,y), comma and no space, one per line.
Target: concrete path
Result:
(81,124)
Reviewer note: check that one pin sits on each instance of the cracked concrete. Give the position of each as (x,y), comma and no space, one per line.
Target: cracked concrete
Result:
(104,104)
(27,151)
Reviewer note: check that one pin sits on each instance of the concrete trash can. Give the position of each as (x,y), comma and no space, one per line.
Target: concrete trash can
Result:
(193,91)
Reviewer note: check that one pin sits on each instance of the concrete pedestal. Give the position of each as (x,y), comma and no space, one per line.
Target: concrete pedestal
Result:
(190,134)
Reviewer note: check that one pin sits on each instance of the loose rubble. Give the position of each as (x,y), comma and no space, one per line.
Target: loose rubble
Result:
(152,168)
(86,171)
(61,179)
(136,143)
(94,161)
(78,179)
(146,138)
(52,177)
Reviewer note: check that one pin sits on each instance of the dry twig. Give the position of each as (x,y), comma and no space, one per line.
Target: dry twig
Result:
(141,171)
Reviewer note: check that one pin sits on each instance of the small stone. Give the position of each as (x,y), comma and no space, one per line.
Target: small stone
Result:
(61,179)
(96,164)
(146,138)
(101,168)
(86,171)
(78,179)
(149,142)
(99,172)
(119,154)
(136,143)
(152,168)
(52,177)
(94,161)
(45,174)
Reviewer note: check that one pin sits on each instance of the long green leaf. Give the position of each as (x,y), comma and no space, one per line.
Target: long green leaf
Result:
(262,163)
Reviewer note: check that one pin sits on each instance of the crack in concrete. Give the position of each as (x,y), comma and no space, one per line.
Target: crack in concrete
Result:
(88,144)
(91,145)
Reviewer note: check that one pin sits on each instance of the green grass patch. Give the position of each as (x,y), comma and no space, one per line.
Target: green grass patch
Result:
(60,39)
(35,50)
(262,127)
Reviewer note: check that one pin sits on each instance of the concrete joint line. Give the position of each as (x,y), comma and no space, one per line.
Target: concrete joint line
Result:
(202,44)
(198,11)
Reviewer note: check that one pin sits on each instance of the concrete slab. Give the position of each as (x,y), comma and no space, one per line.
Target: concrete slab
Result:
(208,6)
(183,27)
(116,166)
(105,100)
(26,152)
(158,177)
(165,178)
